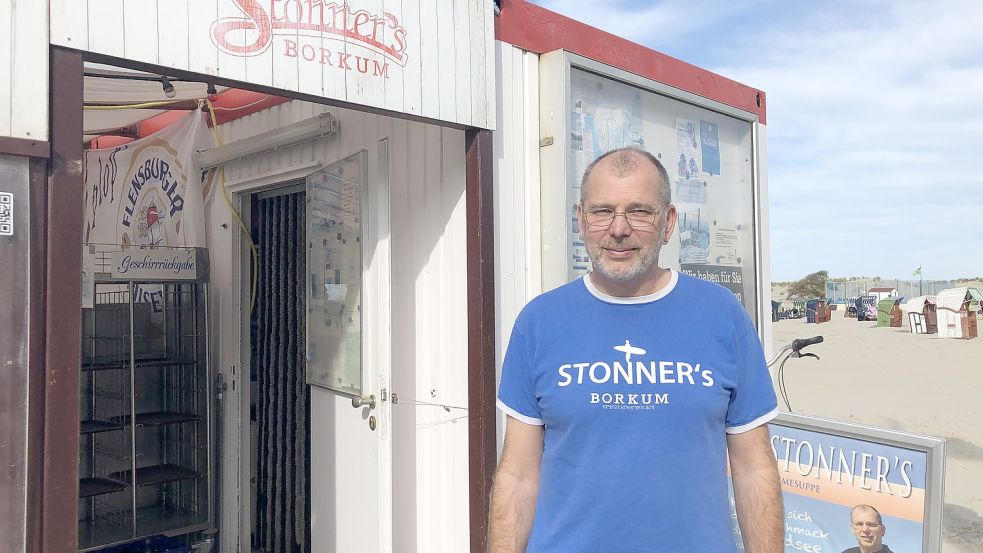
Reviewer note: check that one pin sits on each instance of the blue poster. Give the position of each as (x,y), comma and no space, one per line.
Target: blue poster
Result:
(710,143)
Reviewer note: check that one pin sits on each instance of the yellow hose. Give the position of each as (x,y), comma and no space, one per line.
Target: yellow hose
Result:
(225,194)
(136,106)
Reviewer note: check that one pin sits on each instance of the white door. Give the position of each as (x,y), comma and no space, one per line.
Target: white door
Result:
(348,348)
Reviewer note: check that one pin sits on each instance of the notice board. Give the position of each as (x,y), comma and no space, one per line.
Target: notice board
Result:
(708,150)
(827,468)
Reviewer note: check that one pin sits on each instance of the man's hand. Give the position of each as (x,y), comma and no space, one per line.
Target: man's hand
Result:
(757,491)
(513,500)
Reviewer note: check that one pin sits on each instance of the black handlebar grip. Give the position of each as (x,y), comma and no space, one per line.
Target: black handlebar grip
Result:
(803,342)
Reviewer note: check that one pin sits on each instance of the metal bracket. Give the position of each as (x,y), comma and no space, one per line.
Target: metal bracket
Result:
(548,141)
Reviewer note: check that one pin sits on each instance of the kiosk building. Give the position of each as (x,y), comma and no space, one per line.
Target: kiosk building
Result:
(387,184)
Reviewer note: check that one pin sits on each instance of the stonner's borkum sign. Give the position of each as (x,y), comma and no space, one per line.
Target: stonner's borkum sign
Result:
(253,34)
(426,58)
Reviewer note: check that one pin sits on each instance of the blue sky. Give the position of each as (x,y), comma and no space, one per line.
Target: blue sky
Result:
(875,121)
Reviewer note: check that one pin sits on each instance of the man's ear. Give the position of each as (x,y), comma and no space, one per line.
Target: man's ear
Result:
(671,218)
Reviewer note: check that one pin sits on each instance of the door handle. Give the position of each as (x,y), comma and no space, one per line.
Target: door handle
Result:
(360,401)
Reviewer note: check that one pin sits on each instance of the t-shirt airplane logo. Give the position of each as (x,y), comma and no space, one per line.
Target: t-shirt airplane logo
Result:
(629,350)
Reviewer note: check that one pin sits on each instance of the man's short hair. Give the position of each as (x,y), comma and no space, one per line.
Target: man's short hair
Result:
(625,162)
(864,507)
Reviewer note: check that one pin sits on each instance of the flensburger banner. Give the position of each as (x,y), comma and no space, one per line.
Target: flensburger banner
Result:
(143,196)
(147,193)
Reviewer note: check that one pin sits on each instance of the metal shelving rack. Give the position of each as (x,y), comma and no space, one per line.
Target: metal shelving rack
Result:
(145,447)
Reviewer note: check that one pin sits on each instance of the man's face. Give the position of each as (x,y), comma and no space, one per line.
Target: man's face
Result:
(622,252)
(866,529)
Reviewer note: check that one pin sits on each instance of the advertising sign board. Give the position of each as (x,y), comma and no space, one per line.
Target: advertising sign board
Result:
(845,486)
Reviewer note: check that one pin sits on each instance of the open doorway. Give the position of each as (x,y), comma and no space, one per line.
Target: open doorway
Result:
(279,398)
(151,144)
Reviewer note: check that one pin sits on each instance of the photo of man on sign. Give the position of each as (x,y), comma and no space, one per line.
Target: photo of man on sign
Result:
(869,530)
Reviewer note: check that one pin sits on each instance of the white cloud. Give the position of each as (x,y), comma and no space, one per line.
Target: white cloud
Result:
(875,122)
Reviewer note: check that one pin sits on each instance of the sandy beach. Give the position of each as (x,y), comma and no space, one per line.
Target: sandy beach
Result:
(890,378)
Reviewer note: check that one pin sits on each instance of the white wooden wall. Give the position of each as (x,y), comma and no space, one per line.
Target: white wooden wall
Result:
(429,308)
(518,258)
(24,69)
(448,72)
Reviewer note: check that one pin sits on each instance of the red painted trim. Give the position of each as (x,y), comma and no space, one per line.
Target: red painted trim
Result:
(539,30)
(479,169)
(36,329)
(62,296)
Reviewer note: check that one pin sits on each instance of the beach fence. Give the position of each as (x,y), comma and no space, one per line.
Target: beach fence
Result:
(845,292)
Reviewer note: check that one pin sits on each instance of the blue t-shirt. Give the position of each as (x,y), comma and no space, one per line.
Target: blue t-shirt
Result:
(636,395)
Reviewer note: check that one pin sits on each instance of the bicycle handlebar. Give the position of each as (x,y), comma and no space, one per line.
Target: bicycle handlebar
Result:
(801,343)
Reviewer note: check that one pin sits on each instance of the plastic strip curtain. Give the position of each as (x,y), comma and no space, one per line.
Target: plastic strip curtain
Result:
(283,467)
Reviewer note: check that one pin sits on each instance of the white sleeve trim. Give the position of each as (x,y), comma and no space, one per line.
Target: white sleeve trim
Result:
(517,415)
(753,424)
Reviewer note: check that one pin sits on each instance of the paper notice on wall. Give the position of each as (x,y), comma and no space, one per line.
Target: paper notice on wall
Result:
(694,237)
(731,278)
(724,246)
(691,191)
(581,261)
(687,142)
(6,214)
(605,115)
(710,147)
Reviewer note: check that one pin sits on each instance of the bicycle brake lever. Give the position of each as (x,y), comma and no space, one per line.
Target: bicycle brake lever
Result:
(808,355)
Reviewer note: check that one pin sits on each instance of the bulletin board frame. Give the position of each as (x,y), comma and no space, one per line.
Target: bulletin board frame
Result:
(556,103)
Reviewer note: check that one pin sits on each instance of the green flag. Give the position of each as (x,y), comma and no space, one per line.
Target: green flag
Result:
(918,271)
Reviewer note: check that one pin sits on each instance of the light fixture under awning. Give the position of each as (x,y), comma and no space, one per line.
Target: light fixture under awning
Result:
(316,127)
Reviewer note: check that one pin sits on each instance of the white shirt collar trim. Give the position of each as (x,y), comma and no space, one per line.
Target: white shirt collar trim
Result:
(673,279)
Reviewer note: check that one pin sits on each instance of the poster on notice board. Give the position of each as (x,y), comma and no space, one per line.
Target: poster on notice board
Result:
(847,487)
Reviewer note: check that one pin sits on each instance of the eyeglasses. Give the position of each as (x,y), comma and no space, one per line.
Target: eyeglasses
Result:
(638,218)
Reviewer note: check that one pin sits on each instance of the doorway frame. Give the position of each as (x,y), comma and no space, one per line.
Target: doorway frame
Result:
(59,234)
(376,283)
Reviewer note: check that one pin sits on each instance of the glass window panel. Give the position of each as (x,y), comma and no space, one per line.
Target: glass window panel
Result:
(708,156)
(334,276)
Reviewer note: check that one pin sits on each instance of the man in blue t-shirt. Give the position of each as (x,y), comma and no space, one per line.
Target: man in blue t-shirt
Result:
(627,390)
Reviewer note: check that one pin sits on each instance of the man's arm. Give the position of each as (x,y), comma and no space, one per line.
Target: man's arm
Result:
(757,491)
(513,500)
